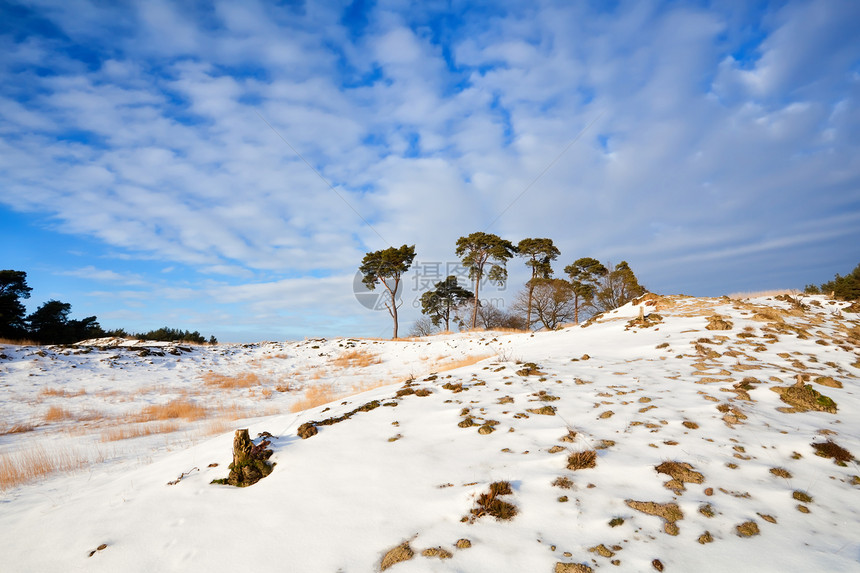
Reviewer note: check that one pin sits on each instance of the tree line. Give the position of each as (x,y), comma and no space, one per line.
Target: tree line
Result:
(545,301)
(842,287)
(50,323)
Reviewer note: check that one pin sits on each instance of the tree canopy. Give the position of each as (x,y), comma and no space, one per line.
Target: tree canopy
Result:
(843,287)
(13,287)
(539,254)
(387,267)
(618,287)
(585,274)
(441,302)
(476,251)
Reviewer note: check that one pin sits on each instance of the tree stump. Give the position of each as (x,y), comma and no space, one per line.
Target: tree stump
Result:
(249,461)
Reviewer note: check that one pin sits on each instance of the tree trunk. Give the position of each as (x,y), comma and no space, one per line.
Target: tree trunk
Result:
(394,314)
(529,310)
(475,309)
(241,448)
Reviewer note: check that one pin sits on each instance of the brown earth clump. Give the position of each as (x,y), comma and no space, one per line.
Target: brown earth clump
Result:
(572,568)
(803,398)
(717,322)
(681,473)
(400,553)
(828,381)
(831,449)
(669,512)
(747,529)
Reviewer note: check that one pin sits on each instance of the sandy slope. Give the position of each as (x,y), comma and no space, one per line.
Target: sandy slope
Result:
(410,470)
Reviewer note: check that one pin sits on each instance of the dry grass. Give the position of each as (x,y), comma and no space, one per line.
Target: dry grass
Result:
(35,462)
(225,382)
(22,342)
(57,414)
(219,426)
(582,460)
(179,408)
(17,429)
(356,359)
(490,504)
(138,430)
(463,362)
(316,395)
(61,393)
(763,293)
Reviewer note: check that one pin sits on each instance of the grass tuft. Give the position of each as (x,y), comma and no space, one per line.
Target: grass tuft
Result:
(316,395)
(225,382)
(36,462)
(582,460)
(490,504)
(356,359)
(179,408)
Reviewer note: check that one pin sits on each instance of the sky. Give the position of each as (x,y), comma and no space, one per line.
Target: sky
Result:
(224,167)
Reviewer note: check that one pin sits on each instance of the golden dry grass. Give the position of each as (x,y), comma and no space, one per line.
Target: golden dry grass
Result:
(35,462)
(219,426)
(17,429)
(57,414)
(463,362)
(227,382)
(356,359)
(178,408)
(61,393)
(316,395)
(138,430)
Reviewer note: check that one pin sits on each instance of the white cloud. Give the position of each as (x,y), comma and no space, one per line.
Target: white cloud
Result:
(158,149)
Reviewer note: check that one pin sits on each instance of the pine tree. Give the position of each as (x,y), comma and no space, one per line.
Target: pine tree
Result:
(539,253)
(387,267)
(618,287)
(476,251)
(13,287)
(443,300)
(585,274)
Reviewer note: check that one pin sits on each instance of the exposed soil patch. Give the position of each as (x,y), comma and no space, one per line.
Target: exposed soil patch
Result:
(717,322)
(670,512)
(309,429)
(747,529)
(828,381)
(830,449)
(805,398)
(400,553)
(545,410)
(681,473)
(572,568)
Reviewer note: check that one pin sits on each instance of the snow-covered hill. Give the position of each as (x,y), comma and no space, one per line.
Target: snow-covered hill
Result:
(673,434)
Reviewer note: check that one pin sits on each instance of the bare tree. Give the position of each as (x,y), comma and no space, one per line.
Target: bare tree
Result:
(551,300)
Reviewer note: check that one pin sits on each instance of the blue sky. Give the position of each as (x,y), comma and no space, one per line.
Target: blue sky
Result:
(153,154)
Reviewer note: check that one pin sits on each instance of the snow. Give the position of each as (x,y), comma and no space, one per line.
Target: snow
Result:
(406,472)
